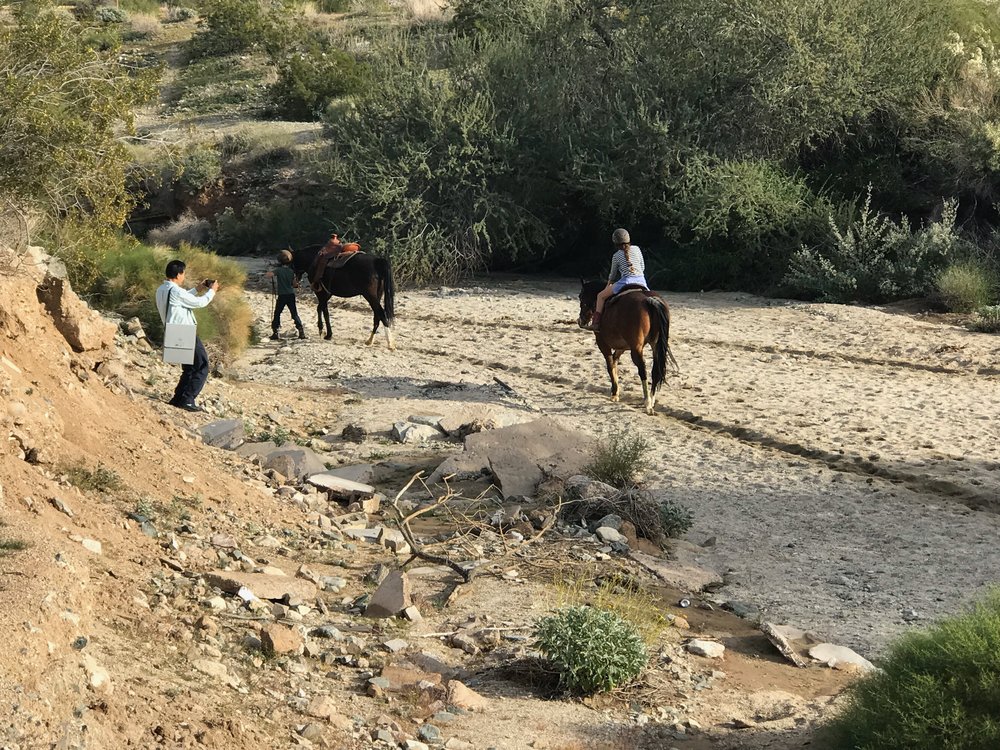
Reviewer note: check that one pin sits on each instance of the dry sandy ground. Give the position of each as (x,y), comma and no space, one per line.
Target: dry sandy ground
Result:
(843,457)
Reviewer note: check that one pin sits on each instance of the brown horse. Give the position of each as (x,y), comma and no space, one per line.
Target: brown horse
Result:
(365,275)
(631,319)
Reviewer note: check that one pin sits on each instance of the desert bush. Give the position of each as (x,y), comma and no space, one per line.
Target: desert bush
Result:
(987,319)
(675,518)
(142,26)
(268,227)
(131,271)
(176,14)
(937,689)
(230,27)
(185,228)
(309,78)
(200,169)
(107,15)
(594,650)
(966,286)
(619,459)
(874,259)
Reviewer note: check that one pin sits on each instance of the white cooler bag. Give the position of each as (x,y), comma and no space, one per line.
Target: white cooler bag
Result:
(178,341)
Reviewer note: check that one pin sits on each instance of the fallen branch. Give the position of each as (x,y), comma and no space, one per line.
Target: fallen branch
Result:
(416,549)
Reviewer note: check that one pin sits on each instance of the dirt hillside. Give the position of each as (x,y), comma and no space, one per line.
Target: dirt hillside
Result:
(834,453)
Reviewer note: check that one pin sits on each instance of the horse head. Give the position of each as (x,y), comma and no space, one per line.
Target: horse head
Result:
(588,300)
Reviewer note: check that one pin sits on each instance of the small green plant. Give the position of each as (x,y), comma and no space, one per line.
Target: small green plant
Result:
(101,479)
(144,507)
(987,319)
(937,690)
(594,650)
(675,519)
(634,603)
(619,459)
(966,286)
(8,546)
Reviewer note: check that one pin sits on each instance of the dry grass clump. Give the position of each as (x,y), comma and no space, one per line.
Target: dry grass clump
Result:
(185,228)
(144,26)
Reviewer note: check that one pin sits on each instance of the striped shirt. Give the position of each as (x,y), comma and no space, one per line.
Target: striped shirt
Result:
(622,268)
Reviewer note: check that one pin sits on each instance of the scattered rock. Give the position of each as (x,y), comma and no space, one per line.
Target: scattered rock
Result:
(98,678)
(840,657)
(465,698)
(708,649)
(608,535)
(61,506)
(790,641)
(227,434)
(338,485)
(354,433)
(278,639)
(91,546)
(391,597)
(270,587)
(407,432)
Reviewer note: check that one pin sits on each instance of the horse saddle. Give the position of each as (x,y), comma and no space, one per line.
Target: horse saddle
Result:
(342,259)
(631,289)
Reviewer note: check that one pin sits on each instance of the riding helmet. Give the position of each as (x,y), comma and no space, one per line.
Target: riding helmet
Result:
(620,237)
(285,256)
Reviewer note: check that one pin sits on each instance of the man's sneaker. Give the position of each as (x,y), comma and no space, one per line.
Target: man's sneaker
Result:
(189,407)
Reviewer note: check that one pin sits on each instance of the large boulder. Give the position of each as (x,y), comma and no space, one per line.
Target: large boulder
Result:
(293,462)
(84,329)
(521,455)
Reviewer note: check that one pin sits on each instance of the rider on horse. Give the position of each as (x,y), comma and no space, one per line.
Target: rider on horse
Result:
(333,249)
(627,268)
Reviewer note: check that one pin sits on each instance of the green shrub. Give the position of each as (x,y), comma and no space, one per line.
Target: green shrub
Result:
(875,259)
(108,15)
(987,319)
(938,689)
(966,286)
(269,227)
(593,649)
(309,79)
(675,519)
(200,169)
(230,27)
(619,459)
(131,271)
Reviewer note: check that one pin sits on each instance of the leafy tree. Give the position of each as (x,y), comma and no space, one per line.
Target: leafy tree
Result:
(62,108)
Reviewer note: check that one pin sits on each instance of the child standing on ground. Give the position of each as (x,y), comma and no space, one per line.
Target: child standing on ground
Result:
(285,284)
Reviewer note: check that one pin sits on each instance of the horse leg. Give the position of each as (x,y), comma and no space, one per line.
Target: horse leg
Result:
(319,314)
(326,318)
(612,361)
(640,364)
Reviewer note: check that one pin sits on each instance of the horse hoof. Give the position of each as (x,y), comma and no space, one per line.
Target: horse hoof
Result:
(328,336)
(392,347)
(614,399)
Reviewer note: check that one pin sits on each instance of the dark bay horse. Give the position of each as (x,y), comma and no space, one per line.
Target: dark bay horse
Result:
(365,275)
(631,319)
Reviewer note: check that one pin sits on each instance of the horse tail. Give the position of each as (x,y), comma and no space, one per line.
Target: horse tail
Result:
(385,271)
(662,356)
